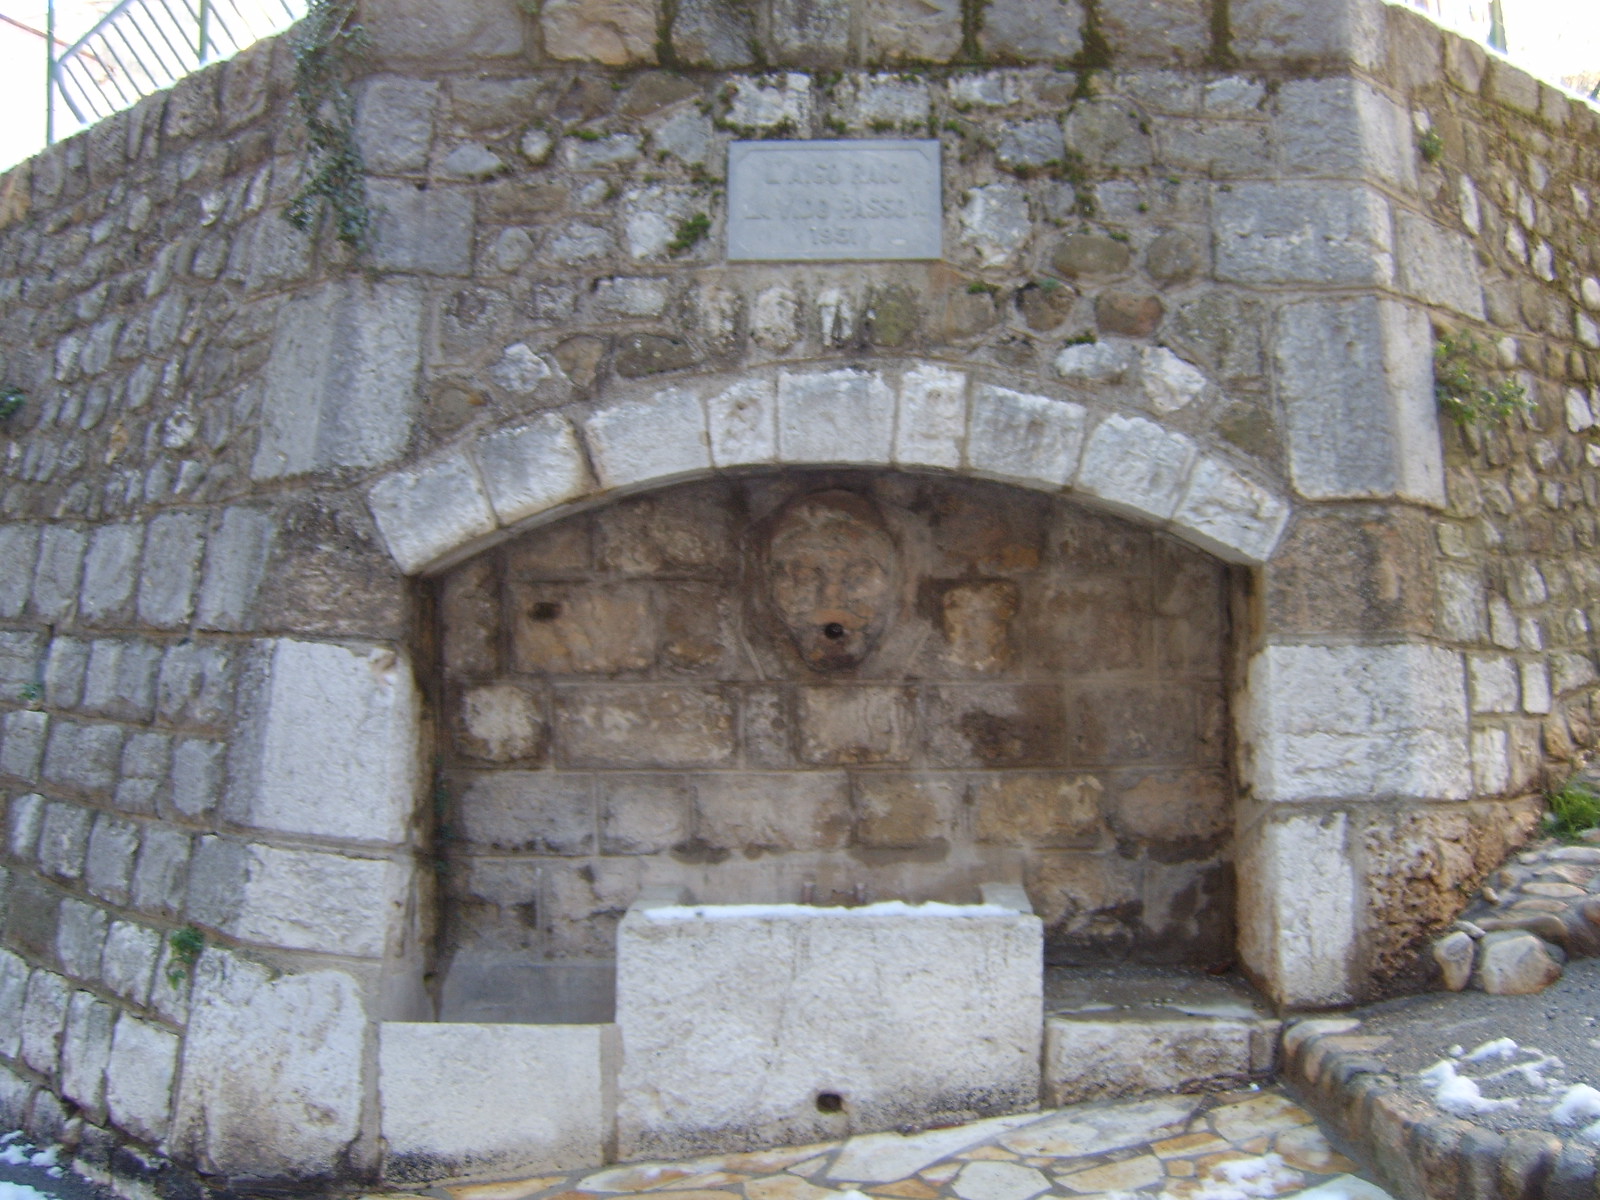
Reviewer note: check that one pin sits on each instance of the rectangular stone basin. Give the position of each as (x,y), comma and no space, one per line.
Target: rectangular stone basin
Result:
(746,1026)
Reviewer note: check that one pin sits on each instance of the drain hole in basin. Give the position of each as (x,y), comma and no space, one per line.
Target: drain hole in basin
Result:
(833,631)
(830,1102)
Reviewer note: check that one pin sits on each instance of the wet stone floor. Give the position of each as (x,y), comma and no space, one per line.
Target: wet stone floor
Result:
(1230,1146)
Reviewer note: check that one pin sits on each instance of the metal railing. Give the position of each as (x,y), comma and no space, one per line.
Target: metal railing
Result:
(142,46)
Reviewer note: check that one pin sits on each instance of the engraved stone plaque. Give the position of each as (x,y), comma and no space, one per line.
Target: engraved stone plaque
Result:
(833,200)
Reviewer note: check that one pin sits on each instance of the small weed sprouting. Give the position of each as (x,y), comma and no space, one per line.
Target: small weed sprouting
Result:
(186,944)
(979,287)
(11,402)
(1086,338)
(1464,393)
(691,233)
(1574,810)
(32,694)
(1431,146)
(587,135)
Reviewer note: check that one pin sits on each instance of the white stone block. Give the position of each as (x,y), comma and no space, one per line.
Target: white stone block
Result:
(1085,1059)
(271,1080)
(1492,683)
(327,742)
(734,1021)
(1491,761)
(1357,385)
(1230,515)
(1297,909)
(932,424)
(44,1016)
(530,468)
(995,223)
(1169,383)
(743,422)
(1535,687)
(1026,439)
(1356,722)
(1318,233)
(649,441)
(1135,466)
(13,992)
(139,1077)
(85,1047)
(298,899)
(498,1101)
(1095,362)
(1579,415)
(341,379)
(1439,266)
(427,512)
(1344,127)
(844,416)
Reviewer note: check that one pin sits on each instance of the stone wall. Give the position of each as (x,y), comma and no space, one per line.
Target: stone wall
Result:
(1194,253)
(1044,704)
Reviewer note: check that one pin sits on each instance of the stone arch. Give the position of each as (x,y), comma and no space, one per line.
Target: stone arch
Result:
(914,415)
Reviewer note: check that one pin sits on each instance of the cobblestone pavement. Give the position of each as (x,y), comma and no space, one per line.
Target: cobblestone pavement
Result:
(1231,1146)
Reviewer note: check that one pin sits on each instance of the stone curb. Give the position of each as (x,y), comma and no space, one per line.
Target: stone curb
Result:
(1421,1153)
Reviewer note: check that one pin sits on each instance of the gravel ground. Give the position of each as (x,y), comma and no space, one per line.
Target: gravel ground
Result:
(1561,1023)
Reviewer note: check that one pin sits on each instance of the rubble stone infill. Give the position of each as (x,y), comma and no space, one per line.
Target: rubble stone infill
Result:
(1535,912)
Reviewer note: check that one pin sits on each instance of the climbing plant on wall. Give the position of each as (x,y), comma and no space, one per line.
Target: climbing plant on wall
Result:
(325,44)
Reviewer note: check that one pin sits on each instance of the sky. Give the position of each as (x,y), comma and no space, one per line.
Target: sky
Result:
(1551,38)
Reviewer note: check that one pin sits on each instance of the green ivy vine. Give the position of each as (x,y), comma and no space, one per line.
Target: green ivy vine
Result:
(325,42)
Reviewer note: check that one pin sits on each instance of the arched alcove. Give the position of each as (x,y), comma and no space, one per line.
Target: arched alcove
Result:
(830,686)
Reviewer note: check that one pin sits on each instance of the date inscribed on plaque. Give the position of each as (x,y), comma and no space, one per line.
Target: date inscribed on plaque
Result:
(834,200)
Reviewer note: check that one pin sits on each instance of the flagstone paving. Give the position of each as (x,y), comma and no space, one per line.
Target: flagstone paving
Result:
(1230,1146)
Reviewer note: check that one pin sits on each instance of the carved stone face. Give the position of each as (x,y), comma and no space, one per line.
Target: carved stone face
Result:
(831,574)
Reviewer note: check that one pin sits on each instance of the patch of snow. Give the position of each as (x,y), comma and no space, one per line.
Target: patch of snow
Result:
(1580,1102)
(886,908)
(1458,1095)
(1591,1133)
(14,1156)
(1456,1051)
(1499,1048)
(21,1191)
(1242,1179)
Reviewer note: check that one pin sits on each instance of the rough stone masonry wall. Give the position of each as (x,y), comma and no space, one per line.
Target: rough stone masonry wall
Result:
(1500,244)
(235,451)
(1046,707)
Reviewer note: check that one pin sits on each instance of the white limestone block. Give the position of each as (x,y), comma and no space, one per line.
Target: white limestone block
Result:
(1302,232)
(1439,266)
(843,416)
(139,1077)
(1135,466)
(654,440)
(426,512)
(1491,761)
(1492,683)
(1085,1059)
(341,379)
(1536,697)
(530,468)
(932,424)
(1297,909)
(1169,383)
(1230,515)
(735,1020)
(1357,384)
(327,742)
(743,422)
(298,899)
(271,1081)
(496,1101)
(1356,722)
(1022,438)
